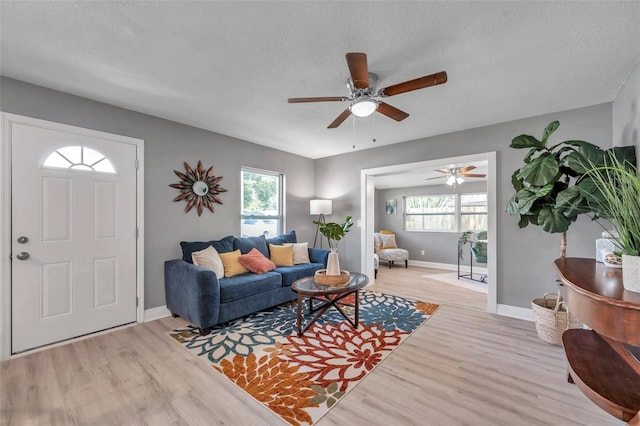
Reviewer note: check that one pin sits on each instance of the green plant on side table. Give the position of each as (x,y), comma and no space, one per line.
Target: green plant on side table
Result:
(613,192)
(550,190)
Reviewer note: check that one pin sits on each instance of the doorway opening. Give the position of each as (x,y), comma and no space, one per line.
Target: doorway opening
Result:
(368,210)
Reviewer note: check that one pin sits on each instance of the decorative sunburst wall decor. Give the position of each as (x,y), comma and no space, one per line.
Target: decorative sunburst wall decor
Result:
(198,188)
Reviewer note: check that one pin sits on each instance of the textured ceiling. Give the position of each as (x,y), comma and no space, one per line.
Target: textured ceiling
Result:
(229,67)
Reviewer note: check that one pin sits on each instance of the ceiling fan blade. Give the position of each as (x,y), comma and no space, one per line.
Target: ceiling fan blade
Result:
(476,175)
(338,121)
(319,99)
(446,172)
(466,169)
(359,70)
(437,177)
(391,111)
(418,83)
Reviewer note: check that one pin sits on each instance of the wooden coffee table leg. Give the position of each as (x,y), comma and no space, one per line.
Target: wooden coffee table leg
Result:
(357,308)
(299,316)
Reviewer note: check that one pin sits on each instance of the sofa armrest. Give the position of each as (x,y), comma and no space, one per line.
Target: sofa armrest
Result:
(318,256)
(192,292)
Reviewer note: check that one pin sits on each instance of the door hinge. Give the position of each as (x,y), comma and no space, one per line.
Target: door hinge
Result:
(137,300)
(137,233)
(137,163)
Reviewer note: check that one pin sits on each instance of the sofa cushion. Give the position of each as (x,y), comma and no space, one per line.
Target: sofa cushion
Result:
(245,244)
(293,273)
(300,252)
(222,246)
(210,259)
(281,255)
(241,286)
(289,237)
(255,262)
(232,265)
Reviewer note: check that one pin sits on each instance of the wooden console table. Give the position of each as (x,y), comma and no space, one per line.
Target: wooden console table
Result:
(604,362)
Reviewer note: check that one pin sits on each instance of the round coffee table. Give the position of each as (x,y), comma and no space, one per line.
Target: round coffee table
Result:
(327,296)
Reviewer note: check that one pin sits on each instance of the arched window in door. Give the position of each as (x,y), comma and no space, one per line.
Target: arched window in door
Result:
(79,158)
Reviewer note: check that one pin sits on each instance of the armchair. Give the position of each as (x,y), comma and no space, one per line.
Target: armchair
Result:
(387,250)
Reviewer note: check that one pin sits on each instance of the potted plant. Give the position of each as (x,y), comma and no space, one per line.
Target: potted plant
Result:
(613,192)
(545,195)
(334,232)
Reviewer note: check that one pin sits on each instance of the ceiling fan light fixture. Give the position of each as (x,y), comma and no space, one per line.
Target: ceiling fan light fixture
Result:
(363,107)
(451,180)
(459,180)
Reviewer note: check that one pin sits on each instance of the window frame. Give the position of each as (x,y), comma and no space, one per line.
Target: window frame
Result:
(457,212)
(280,216)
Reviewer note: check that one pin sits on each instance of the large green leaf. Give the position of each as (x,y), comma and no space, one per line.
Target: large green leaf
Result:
(526,141)
(552,127)
(571,203)
(552,221)
(516,182)
(624,154)
(585,157)
(525,201)
(541,171)
(526,220)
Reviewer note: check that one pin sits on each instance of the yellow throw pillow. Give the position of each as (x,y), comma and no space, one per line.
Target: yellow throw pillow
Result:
(388,241)
(210,259)
(386,232)
(232,265)
(281,255)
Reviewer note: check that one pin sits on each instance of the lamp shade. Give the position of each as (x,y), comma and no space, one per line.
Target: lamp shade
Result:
(320,207)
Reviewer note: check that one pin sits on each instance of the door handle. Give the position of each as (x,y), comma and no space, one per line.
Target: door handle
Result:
(23,240)
(23,256)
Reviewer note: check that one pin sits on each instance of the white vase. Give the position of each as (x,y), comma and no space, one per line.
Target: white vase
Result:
(333,264)
(631,272)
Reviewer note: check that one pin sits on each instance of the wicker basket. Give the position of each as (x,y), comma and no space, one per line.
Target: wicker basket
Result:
(552,318)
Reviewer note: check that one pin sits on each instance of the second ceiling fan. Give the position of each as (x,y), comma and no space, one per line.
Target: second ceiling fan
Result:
(457,174)
(364,99)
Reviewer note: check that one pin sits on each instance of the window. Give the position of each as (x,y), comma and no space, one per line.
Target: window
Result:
(446,213)
(430,213)
(473,212)
(79,158)
(262,203)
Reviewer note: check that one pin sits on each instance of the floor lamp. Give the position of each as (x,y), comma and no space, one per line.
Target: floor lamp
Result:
(320,208)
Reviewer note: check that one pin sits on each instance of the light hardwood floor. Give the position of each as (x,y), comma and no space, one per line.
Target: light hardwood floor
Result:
(462,367)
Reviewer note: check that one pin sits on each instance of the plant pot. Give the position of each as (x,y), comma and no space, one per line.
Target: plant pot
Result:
(333,264)
(631,273)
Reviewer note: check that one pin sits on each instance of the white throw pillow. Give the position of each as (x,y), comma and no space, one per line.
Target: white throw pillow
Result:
(388,241)
(300,252)
(210,259)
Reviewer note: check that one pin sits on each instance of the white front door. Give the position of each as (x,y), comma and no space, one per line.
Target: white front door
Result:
(73,231)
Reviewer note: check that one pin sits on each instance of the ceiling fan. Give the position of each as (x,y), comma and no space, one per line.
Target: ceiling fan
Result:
(457,174)
(364,99)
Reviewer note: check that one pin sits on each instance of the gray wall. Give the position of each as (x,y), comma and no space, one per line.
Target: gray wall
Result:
(626,112)
(525,256)
(439,247)
(167,145)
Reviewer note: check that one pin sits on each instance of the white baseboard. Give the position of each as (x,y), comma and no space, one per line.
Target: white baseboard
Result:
(156,313)
(515,312)
(447,266)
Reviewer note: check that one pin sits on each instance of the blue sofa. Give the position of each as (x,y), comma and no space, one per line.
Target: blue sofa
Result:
(204,299)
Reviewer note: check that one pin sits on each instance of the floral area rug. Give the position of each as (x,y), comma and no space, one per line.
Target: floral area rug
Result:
(301,378)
